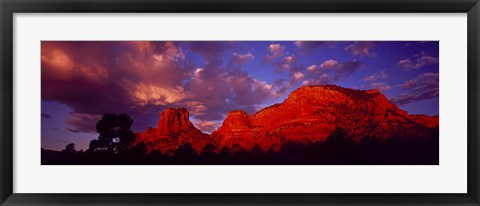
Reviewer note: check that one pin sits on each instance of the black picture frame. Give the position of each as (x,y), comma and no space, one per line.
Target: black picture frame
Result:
(10,7)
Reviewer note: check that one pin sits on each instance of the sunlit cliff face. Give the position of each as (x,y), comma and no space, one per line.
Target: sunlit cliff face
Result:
(308,115)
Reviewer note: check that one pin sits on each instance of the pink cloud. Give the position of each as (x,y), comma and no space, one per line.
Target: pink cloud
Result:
(376,76)
(429,78)
(275,51)
(238,60)
(92,78)
(329,64)
(298,75)
(78,122)
(361,48)
(382,86)
(423,86)
(205,125)
(310,46)
(143,78)
(59,64)
(290,59)
(330,71)
(418,61)
(312,68)
(143,94)
(196,108)
(221,89)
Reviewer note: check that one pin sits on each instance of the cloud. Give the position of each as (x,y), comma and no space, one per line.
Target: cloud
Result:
(209,49)
(382,86)
(318,79)
(205,125)
(376,76)
(219,88)
(341,70)
(310,46)
(238,60)
(198,72)
(429,79)
(330,71)
(287,64)
(312,68)
(408,98)
(424,86)
(248,91)
(329,64)
(143,94)
(274,51)
(221,92)
(418,61)
(291,59)
(196,108)
(276,48)
(281,60)
(62,67)
(136,77)
(143,78)
(172,51)
(82,122)
(114,77)
(361,49)
(370,78)
(298,75)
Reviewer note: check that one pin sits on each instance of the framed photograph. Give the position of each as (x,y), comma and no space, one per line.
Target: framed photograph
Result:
(239,102)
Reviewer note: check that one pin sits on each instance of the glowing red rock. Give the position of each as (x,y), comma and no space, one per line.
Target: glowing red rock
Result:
(174,129)
(309,114)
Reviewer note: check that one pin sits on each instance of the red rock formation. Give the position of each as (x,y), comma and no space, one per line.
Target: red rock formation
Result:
(426,120)
(173,122)
(174,129)
(309,114)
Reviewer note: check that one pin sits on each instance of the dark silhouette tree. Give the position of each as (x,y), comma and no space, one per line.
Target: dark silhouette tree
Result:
(340,147)
(338,137)
(94,145)
(209,148)
(208,155)
(70,148)
(185,154)
(115,135)
(139,149)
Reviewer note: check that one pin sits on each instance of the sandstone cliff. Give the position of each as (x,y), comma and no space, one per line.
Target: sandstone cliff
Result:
(309,114)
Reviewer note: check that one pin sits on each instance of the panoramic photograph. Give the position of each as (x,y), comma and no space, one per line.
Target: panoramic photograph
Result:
(239,103)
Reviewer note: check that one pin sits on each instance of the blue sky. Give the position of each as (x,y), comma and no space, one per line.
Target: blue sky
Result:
(83,80)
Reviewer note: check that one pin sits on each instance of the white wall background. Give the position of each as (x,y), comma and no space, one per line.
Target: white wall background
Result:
(448,177)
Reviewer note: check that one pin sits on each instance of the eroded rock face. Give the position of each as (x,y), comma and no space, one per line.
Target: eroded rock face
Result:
(429,121)
(174,129)
(309,114)
(237,132)
(236,128)
(173,122)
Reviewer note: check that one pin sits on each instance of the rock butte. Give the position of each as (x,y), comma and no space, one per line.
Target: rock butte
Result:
(309,114)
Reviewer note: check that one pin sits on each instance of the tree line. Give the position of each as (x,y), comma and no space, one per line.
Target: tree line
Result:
(115,137)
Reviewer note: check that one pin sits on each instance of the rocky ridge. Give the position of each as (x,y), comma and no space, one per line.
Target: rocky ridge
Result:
(309,114)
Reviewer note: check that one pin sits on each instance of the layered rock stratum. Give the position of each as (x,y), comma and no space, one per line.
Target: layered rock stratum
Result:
(173,130)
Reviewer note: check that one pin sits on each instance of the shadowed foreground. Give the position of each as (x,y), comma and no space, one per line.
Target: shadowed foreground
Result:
(336,150)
